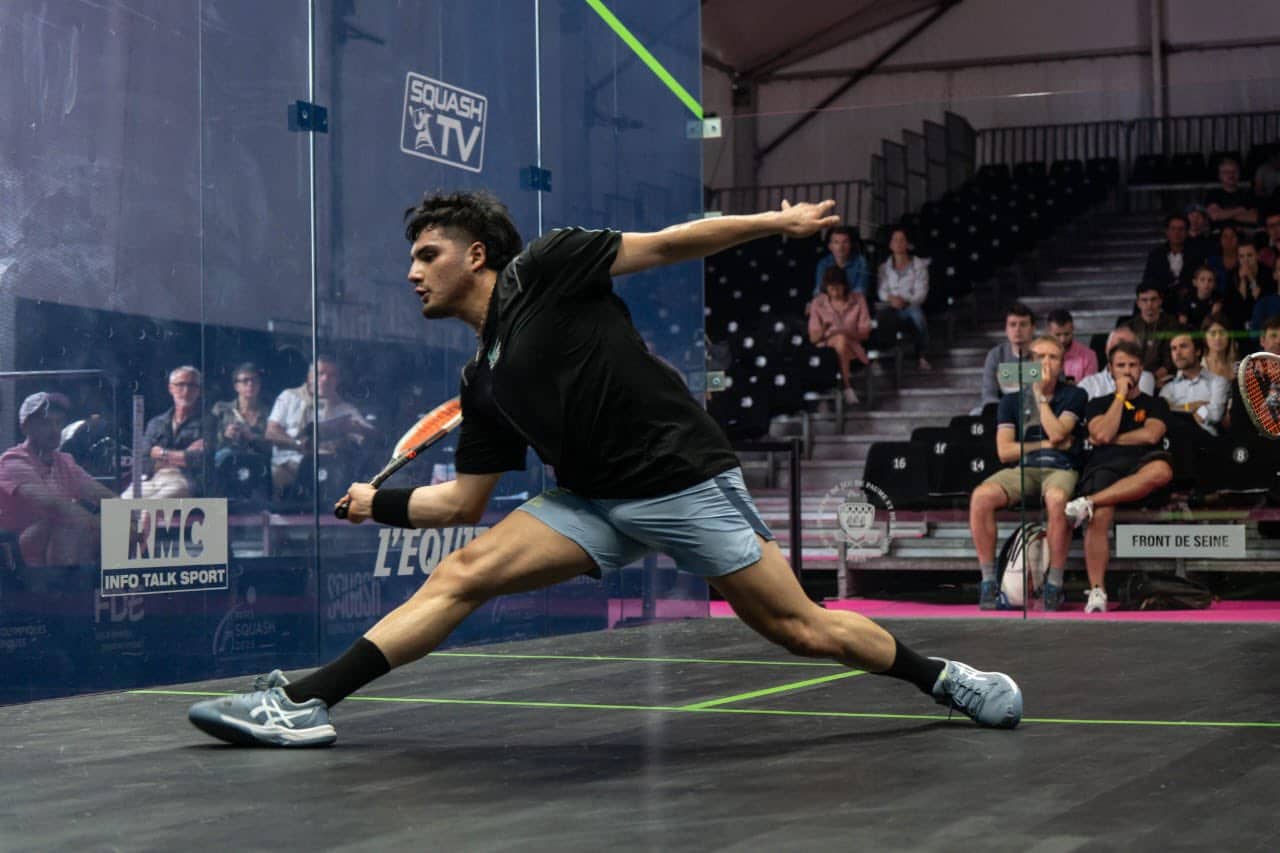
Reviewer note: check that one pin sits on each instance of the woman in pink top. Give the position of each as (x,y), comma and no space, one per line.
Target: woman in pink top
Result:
(840,319)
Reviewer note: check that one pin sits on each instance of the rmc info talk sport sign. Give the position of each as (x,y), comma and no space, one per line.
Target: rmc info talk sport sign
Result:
(161,546)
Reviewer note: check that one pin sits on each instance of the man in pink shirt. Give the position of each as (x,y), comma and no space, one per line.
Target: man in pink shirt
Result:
(1078,360)
(43,491)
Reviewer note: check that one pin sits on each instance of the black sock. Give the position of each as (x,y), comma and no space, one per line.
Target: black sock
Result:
(909,666)
(337,680)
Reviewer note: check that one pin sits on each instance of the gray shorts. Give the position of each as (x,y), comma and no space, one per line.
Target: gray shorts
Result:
(709,529)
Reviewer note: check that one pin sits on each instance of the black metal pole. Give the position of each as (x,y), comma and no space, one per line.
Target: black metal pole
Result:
(797,547)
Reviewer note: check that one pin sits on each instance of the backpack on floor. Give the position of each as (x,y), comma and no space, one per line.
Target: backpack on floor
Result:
(1024,562)
(1163,591)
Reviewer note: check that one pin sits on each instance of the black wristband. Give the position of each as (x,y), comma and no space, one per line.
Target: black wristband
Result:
(391,506)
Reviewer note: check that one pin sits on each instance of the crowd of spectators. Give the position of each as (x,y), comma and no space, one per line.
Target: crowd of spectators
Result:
(1209,293)
(237,447)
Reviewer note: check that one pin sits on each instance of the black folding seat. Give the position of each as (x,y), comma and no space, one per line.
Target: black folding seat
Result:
(1149,169)
(1189,168)
(899,470)
(965,464)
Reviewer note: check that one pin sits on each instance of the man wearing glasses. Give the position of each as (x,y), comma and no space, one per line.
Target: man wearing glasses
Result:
(175,441)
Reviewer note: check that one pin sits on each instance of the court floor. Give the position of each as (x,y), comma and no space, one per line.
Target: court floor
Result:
(693,735)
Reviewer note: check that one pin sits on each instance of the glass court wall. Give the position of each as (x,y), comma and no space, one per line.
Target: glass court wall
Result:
(219,185)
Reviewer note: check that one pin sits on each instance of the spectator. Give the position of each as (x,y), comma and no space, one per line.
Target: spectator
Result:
(1019,329)
(1126,464)
(1154,328)
(1200,245)
(1202,302)
(1270,253)
(1224,261)
(176,441)
(241,424)
(1269,304)
(844,250)
(1168,266)
(1220,350)
(1102,383)
(1266,179)
(44,495)
(1078,360)
(1244,288)
(298,410)
(1270,339)
(1194,390)
(1269,342)
(839,319)
(1049,465)
(904,285)
(1231,202)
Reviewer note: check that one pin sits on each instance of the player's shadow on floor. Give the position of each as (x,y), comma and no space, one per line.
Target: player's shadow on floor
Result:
(408,753)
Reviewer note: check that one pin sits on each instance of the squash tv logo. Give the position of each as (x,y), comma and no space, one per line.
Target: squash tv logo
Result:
(443,123)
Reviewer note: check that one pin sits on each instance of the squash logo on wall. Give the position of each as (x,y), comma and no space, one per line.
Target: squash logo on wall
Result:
(443,123)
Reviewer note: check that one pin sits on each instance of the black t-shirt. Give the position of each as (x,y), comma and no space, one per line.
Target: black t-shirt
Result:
(562,368)
(1242,197)
(1145,408)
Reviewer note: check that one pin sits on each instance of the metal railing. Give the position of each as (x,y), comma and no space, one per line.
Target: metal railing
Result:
(1128,140)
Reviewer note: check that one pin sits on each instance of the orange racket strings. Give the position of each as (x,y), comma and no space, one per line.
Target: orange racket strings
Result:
(442,417)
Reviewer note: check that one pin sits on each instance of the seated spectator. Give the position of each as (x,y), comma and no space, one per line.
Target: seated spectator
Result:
(1268,342)
(1125,465)
(1221,353)
(297,411)
(1231,202)
(844,250)
(1223,261)
(1245,286)
(1048,412)
(241,423)
(1266,180)
(1270,253)
(1200,244)
(1019,329)
(1102,383)
(1078,360)
(1154,328)
(1194,390)
(1269,304)
(45,497)
(175,441)
(1168,266)
(839,319)
(1202,302)
(904,285)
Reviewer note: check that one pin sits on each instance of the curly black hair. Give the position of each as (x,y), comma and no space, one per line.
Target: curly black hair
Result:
(479,216)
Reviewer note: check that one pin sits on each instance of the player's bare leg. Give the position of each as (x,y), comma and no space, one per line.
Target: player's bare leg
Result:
(767,597)
(519,554)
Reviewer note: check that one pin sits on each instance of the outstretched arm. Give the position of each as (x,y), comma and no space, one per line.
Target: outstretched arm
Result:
(691,240)
(460,501)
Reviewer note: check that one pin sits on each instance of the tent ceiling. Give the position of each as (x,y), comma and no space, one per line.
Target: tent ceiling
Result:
(756,37)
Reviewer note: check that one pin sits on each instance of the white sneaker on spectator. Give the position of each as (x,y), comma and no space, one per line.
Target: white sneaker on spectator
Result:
(1079,511)
(1097,602)
(923,364)
(850,396)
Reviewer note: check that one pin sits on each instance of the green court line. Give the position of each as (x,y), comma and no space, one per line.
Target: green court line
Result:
(607,659)
(758,712)
(769,691)
(646,57)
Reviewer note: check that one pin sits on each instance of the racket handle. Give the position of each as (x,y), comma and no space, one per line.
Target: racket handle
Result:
(341,509)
